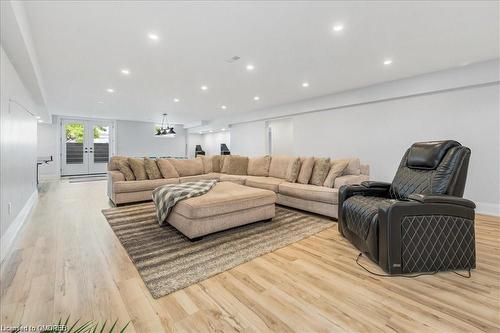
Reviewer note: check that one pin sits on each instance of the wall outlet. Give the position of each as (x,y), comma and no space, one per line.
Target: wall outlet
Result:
(9,208)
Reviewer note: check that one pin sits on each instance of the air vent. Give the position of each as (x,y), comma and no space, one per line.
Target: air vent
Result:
(233,59)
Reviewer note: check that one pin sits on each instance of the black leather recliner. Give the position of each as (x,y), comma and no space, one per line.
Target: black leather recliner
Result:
(419,222)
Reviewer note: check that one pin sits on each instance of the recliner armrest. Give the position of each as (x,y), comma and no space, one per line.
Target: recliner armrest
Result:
(445,199)
(375,184)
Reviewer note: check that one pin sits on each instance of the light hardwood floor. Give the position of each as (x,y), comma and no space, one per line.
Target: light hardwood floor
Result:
(67,260)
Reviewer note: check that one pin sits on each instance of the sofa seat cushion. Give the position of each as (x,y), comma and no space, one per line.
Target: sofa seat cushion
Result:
(224,198)
(310,192)
(211,175)
(267,183)
(141,185)
(238,179)
(360,213)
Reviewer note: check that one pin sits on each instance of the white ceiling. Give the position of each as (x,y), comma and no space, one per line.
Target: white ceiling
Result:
(82,46)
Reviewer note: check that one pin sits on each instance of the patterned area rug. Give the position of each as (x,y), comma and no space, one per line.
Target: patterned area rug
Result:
(167,261)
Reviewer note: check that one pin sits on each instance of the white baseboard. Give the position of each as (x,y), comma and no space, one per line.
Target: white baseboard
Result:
(10,234)
(49,177)
(487,208)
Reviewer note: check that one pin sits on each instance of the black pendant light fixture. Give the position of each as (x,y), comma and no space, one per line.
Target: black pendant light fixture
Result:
(165,130)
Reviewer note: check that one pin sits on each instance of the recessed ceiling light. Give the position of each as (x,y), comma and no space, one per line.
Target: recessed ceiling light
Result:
(176,100)
(201,132)
(37,117)
(40,120)
(211,131)
(223,107)
(250,67)
(223,129)
(338,27)
(256,98)
(110,90)
(305,84)
(125,71)
(153,36)
(100,102)
(204,87)
(387,62)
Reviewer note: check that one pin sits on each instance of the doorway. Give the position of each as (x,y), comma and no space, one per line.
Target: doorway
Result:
(86,146)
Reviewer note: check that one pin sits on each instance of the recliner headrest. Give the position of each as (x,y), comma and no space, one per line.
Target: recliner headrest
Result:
(428,155)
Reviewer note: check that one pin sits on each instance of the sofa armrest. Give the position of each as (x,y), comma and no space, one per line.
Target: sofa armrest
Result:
(113,177)
(349,180)
(374,184)
(404,225)
(442,199)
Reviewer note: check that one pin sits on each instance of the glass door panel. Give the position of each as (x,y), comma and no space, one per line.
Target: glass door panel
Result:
(100,147)
(74,152)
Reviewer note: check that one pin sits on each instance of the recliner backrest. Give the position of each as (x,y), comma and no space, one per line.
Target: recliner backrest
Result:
(436,167)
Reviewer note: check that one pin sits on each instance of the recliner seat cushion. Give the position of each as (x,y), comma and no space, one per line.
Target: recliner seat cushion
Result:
(360,213)
(310,192)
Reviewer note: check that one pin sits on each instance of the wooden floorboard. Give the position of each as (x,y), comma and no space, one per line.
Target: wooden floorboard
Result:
(67,261)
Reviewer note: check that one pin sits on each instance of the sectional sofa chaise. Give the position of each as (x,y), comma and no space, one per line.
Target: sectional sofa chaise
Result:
(309,184)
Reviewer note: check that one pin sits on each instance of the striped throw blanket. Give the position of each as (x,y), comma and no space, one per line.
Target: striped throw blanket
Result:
(165,197)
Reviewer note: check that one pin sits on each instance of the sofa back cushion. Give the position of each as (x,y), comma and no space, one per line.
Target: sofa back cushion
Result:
(353,166)
(235,165)
(191,167)
(279,166)
(320,171)
(137,166)
(224,164)
(207,164)
(336,170)
(152,168)
(217,161)
(306,170)
(259,166)
(124,168)
(293,170)
(167,169)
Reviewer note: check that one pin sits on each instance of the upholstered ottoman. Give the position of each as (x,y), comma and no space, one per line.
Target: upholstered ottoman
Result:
(225,206)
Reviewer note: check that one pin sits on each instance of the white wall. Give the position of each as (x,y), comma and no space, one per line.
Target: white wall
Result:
(136,138)
(18,145)
(282,136)
(212,141)
(249,139)
(48,145)
(379,123)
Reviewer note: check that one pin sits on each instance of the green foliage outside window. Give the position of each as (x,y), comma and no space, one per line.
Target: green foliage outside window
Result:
(74,132)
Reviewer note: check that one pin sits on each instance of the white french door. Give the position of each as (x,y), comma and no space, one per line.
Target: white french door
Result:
(86,146)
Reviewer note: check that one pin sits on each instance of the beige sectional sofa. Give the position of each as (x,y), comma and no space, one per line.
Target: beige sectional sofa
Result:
(276,173)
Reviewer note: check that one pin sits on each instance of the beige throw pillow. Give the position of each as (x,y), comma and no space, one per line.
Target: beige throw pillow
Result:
(293,171)
(306,170)
(336,170)
(188,167)
(237,165)
(124,168)
(279,166)
(353,166)
(152,168)
(137,166)
(207,164)
(113,162)
(320,171)
(259,166)
(167,170)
